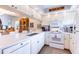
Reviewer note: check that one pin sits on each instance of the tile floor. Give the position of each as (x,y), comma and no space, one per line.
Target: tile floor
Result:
(51,50)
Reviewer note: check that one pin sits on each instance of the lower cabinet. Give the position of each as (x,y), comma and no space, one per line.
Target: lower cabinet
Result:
(67,38)
(41,41)
(31,46)
(47,36)
(20,48)
(74,44)
(37,42)
(34,45)
(23,50)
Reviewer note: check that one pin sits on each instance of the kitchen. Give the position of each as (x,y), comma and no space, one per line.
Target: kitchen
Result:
(39,29)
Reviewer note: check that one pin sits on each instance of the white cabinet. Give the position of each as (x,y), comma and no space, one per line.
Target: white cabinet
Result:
(34,45)
(70,42)
(23,50)
(20,48)
(47,36)
(76,42)
(41,41)
(31,46)
(37,42)
(77,19)
(73,43)
(67,40)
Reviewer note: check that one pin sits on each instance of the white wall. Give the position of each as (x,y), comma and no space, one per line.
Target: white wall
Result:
(36,22)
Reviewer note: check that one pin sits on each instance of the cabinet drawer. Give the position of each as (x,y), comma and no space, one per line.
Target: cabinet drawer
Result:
(60,46)
(25,42)
(14,47)
(25,49)
(11,48)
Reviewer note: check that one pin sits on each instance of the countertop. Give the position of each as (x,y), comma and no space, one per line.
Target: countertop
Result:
(15,38)
(8,40)
(11,39)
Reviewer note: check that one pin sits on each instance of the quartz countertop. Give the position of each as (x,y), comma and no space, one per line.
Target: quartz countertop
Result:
(14,38)
(8,40)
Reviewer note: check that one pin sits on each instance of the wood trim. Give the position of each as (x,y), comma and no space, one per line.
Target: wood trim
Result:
(56,9)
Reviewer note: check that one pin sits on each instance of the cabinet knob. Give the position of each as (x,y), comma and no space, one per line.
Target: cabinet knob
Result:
(21,43)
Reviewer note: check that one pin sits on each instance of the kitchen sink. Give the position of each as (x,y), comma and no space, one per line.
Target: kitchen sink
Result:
(31,34)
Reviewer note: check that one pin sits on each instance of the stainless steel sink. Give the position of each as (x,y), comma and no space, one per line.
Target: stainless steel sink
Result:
(31,34)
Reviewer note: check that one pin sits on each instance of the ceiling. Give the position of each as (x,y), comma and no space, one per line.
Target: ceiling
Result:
(36,11)
(45,8)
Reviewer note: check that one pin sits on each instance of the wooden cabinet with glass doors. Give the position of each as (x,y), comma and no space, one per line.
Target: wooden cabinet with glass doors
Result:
(24,24)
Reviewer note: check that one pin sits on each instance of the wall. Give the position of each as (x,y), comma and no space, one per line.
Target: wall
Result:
(36,22)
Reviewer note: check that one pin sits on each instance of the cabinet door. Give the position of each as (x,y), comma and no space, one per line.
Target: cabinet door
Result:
(34,49)
(73,44)
(10,49)
(76,43)
(77,19)
(23,50)
(40,41)
(37,42)
(67,41)
(47,36)
(23,47)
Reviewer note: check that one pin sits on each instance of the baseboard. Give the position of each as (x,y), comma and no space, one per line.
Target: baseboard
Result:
(68,50)
(46,45)
(43,47)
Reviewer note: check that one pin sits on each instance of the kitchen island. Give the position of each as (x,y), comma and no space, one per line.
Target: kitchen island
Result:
(12,43)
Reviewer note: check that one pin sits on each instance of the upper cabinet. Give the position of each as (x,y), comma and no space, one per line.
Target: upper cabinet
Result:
(24,24)
(77,20)
(69,17)
(53,19)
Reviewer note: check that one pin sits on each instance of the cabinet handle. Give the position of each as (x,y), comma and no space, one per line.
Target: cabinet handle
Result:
(21,43)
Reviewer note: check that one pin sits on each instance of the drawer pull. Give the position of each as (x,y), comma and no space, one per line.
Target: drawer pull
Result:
(21,43)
